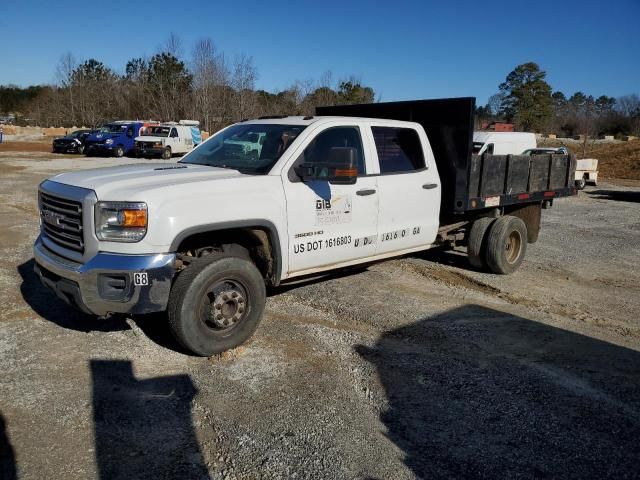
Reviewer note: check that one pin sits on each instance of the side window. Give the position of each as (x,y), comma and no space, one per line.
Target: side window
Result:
(489,149)
(399,149)
(130,132)
(174,133)
(318,149)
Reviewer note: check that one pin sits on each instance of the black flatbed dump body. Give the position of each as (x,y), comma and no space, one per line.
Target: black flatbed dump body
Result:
(472,183)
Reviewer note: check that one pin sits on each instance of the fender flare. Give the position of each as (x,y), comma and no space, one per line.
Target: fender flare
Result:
(269,227)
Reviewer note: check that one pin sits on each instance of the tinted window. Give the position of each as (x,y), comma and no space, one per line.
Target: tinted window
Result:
(399,149)
(318,149)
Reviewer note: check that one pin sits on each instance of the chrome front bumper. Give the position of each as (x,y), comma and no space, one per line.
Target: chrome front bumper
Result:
(106,283)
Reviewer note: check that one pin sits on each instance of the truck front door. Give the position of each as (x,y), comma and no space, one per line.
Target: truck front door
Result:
(409,189)
(330,224)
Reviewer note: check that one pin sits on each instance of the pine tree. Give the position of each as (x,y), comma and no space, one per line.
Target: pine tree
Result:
(527,98)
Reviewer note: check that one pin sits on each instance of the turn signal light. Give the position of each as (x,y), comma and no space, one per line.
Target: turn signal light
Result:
(134,218)
(346,172)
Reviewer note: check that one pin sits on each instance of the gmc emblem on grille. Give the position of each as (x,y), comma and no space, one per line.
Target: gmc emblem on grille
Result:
(52,218)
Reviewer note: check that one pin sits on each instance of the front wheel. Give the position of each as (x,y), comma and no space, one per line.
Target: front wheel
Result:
(166,153)
(506,244)
(119,151)
(216,304)
(80,149)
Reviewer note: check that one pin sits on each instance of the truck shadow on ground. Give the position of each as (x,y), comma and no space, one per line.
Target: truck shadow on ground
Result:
(617,195)
(478,393)
(7,456)
(51,308)
(44,303)
(143,428)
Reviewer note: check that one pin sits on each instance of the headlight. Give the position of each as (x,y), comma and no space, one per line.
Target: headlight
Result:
(121,221)
(108,141)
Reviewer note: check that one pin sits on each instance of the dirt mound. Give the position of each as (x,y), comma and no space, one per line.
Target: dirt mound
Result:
(619,160)
(12,146)
(616,160)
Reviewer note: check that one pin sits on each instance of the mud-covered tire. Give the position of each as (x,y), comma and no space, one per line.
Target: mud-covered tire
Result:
(119,151)
(580,184)
(166,153)
(193,303)
(477,242)
(506,244)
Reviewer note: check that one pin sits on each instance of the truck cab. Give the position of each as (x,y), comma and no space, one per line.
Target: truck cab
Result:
(115,138)
(168,139)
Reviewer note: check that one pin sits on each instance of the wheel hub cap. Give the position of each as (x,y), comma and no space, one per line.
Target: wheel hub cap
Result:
(227,308)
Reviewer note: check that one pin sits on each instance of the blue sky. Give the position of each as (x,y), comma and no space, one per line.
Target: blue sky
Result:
(403,49)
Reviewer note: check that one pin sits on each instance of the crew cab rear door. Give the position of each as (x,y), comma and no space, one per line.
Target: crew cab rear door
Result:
(330,224)
(408,187)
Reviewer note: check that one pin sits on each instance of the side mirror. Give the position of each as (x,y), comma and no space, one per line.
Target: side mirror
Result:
(341,168)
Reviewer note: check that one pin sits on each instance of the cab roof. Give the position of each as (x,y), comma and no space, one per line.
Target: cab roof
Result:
(308,120)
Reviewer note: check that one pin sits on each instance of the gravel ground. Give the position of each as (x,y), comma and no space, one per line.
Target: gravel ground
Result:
(414,368)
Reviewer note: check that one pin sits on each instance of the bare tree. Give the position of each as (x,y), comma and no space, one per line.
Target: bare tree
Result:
(243,81)
(210,84)
(64,77)
(173,45)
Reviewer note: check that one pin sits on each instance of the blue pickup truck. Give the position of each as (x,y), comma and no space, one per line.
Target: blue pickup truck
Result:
(115,139)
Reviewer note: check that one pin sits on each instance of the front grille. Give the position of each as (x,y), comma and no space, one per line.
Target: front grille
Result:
(62,221)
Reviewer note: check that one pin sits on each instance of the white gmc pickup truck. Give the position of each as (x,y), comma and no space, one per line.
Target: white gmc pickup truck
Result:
(202,238)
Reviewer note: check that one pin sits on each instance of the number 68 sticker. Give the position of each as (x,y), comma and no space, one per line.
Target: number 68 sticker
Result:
(140,279)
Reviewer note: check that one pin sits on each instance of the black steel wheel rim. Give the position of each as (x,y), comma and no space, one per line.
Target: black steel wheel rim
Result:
(224,305)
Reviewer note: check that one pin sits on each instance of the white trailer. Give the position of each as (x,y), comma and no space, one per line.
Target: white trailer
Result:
(586,172)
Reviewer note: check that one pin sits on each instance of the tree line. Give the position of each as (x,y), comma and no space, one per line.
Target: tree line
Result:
(206,86)
(527,100)
(209,87)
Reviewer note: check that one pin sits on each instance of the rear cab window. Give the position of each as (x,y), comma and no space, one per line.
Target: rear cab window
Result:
(399,149)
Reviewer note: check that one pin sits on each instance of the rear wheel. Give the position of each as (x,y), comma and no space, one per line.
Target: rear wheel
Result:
(216,304)
(506,244)
(477,242)
(580,184)
(166,153)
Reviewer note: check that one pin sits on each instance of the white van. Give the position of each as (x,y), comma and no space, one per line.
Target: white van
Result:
(503,143)
(168,139)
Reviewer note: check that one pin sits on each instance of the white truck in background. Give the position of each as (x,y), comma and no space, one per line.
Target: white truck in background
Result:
(503,143)
(268,201)
(168,139)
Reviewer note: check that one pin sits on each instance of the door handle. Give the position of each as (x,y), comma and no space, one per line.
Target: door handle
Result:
(366,191)
(429,186)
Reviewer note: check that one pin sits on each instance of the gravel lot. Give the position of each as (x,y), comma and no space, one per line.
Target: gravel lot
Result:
(413,368)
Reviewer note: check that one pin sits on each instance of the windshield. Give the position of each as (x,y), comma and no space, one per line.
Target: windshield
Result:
(112,129)
(249,148)
(477,146)
(157,131)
